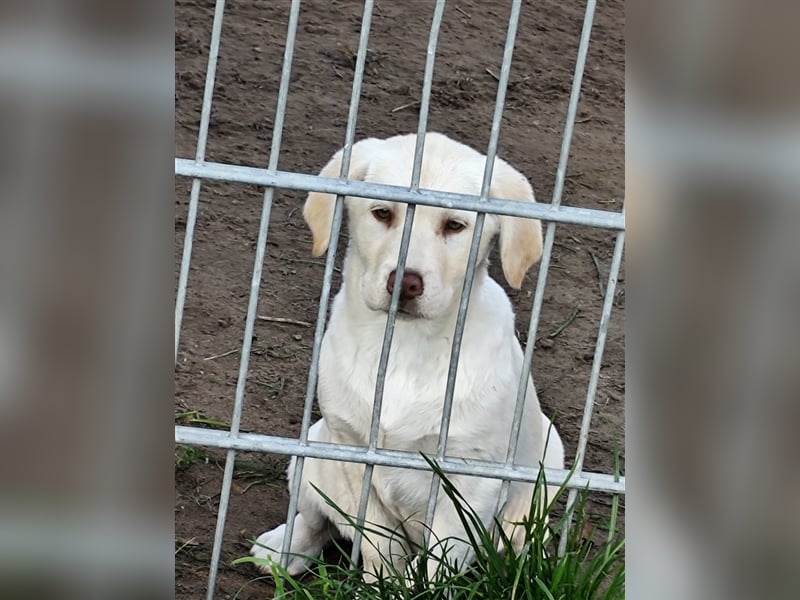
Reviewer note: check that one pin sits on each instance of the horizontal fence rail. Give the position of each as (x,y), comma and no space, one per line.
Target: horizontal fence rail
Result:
(379,191)
(253,442)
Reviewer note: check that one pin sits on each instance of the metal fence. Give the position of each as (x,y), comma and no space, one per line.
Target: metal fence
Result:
(233,441)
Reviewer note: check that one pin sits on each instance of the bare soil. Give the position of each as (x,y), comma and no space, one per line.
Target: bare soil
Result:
(464,88)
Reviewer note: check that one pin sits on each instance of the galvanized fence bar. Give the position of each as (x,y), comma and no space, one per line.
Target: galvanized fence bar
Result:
(391,317)
(605,318)
(200,154)
(255,284)
(257,442)
(358,77)
(491,153)
(577,81)
(361,189)
(544,265)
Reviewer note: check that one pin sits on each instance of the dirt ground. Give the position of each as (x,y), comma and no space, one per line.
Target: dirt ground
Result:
(464,88)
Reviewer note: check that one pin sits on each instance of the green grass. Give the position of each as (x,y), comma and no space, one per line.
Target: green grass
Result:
(247,473)
(592,568)
(186,456)
(195,417)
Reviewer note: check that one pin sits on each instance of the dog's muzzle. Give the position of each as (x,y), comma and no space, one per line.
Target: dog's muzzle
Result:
(412,287)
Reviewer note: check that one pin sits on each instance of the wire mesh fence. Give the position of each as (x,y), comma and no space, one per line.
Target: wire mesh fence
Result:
(234,441)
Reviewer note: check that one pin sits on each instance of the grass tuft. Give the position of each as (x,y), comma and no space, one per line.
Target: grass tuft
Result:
(592,567)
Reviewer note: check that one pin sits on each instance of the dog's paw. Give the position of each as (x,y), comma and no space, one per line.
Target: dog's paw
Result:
(268,547)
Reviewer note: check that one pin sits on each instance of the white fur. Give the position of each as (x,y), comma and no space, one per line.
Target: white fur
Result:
(489,365)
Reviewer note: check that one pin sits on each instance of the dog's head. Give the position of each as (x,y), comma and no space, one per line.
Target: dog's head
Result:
(440,238)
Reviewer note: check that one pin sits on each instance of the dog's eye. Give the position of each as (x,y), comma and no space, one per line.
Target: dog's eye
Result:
(453,226)
(384,215)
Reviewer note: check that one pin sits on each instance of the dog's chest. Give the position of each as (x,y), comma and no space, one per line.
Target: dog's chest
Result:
(413,391)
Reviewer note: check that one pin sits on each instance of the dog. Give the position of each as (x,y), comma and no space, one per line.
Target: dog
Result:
(489,367)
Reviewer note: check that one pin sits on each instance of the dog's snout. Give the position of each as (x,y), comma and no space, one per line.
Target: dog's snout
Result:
(411,286)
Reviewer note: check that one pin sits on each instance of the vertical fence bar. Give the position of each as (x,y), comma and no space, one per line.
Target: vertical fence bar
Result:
(569,126)
(358,76)
(391,317)
(597,361)
(200,154)
(491,153)
(536,309)
(255,284)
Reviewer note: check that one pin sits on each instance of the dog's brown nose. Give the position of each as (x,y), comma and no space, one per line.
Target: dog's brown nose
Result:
(411,286)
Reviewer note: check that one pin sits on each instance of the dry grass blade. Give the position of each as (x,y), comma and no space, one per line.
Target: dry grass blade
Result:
(189,542)
(599,274)
(223,354)
(283,320)
(570,319)
(404,106)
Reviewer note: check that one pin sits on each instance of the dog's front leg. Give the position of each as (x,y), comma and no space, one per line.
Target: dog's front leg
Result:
(383,546)
(310,532)
(449,540)
(452,542)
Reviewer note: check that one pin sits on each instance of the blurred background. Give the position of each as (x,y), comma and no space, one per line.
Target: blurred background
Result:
(86,147)
(712,198)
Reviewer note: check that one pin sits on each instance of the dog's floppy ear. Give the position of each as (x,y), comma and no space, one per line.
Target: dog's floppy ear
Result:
(520,239)
(318,210)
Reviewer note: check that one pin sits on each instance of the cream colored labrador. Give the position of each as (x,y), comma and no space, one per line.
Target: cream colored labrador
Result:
(489,365)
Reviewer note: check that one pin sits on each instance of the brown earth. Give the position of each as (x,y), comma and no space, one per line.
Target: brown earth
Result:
(470,46)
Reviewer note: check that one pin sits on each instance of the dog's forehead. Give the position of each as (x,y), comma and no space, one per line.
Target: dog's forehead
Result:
(435,214)
(442,170)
